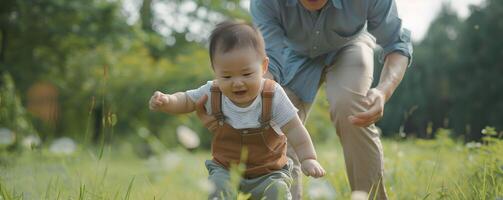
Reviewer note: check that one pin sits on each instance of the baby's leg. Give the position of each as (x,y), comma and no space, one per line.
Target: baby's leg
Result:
(275,185)
(220,177)
(277,189)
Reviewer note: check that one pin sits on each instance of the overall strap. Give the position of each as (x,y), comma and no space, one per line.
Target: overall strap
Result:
(216,103)
(267,94)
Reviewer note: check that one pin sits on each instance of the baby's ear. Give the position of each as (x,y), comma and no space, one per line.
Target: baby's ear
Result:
(265,65)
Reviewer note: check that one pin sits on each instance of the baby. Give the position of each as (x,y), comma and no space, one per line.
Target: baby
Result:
(252,116)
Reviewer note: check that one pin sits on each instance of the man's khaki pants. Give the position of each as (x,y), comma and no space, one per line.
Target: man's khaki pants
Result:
(347,81)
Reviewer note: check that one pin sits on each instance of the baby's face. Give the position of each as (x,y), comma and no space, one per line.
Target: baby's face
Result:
(239,73)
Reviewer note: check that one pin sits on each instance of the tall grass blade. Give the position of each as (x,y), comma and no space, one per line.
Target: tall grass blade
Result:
(130,187)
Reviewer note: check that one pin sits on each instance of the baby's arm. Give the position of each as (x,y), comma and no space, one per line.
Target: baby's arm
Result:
(299,138)
(176,103)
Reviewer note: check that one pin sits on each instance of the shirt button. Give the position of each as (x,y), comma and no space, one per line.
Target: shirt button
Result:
(315,47)
(317,32)
(245,131)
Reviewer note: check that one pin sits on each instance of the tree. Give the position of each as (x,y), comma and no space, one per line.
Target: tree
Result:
(478,98)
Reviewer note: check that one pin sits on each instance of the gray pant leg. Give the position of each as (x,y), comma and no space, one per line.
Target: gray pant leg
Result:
(275,185)
(220,177)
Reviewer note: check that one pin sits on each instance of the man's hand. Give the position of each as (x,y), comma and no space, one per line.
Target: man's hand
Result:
(375,99)
(311,167)
(392,73)
(158,101)
(209,121)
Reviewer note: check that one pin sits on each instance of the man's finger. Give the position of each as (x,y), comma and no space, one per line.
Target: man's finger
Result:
(373,111)
(371,98)
(364,122)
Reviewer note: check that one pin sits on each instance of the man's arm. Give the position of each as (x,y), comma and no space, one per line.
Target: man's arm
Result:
(386,26)
(391,76)
(392,73)
(265,15)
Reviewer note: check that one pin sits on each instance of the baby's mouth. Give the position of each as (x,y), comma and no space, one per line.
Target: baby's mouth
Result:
(239,93)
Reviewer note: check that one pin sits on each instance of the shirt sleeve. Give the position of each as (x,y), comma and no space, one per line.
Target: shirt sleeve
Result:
(265,15)
(386,26)
(195,94)
(283,110)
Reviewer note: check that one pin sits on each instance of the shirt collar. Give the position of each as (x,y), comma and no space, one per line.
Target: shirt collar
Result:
(336,3)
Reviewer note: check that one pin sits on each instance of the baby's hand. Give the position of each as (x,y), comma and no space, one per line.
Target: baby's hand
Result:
(311,167)
(157,101)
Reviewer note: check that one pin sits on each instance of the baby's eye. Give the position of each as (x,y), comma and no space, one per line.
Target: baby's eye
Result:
(226,77)
(247,74)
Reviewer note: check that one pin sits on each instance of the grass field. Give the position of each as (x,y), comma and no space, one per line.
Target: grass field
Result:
(415,169)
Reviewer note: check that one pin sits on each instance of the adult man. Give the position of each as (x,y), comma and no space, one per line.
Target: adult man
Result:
(313,41)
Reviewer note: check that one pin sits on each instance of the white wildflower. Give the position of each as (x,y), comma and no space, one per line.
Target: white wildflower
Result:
(187,137)
(143,132)
(206,185)
(473,145)
(31,141)
(359,195)
(153,163)
(321,189)
(170,161)
(7,137)
(63,146)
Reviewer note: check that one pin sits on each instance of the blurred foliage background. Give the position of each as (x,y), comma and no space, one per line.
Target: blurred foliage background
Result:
(86,69)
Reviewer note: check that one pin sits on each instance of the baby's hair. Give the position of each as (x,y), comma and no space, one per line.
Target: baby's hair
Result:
(229,35)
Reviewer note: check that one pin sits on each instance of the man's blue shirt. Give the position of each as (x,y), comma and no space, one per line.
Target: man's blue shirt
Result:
(299,41)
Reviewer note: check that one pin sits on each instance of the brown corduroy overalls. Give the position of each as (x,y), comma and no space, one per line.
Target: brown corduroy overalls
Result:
(266,148)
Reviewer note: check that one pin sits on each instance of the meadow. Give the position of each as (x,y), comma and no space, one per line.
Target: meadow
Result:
(441,168)
(85,70)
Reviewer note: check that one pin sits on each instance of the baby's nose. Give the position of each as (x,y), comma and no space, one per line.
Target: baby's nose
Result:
(237,83)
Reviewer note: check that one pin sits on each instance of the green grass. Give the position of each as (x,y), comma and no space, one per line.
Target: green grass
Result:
(415,169)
